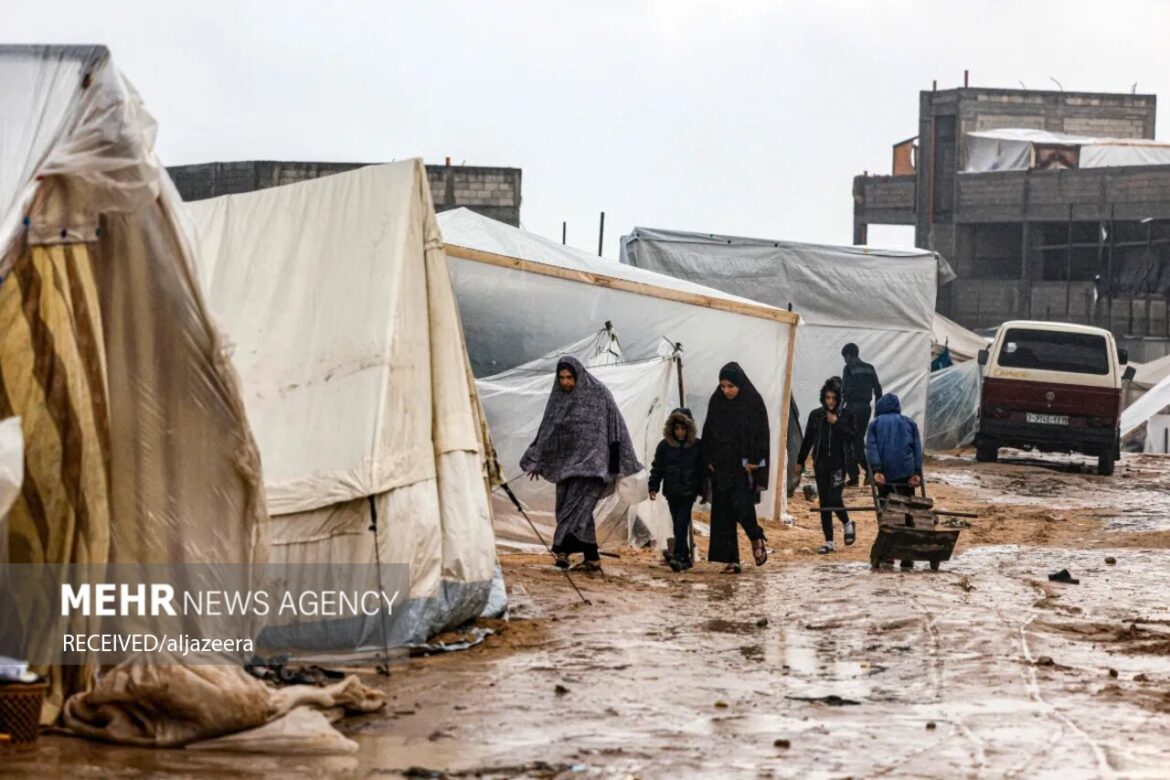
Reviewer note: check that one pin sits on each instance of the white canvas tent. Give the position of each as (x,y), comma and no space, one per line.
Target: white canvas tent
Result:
(138,449)
(514,402)
(1014,149)
(880,299)
(522,296)
(963,344)
(346,337)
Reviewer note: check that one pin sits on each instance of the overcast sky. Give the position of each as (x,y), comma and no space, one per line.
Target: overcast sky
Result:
(748,118)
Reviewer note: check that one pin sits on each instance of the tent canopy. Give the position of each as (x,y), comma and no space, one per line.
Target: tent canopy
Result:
(880,299)
(522,296)
(346,337)
(137,450)
(963,344)
(1014,149)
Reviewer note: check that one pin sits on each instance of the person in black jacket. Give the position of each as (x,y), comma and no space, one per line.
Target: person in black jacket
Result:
(860,389)
(677,471)
(834,442)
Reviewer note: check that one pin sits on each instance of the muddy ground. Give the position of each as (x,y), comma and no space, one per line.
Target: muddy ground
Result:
(811,666)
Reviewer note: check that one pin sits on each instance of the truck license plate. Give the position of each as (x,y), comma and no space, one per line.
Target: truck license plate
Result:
(1048,419)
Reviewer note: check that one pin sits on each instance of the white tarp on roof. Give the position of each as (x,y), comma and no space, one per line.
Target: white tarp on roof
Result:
(880,299)
(514,403)
(1010,149)
(512,315)
(346,337)
(1149,374)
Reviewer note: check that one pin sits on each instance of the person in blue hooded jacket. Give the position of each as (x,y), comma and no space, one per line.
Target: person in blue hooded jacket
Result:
(894,450)
(893,447)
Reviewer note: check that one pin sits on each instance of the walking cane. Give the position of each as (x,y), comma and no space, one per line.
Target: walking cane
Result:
(520,509)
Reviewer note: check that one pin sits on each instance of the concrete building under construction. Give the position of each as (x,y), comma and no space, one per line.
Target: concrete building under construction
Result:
(1049,205)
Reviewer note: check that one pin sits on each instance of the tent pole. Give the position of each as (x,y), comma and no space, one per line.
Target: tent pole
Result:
(384,669)
(678,366)
(781,486)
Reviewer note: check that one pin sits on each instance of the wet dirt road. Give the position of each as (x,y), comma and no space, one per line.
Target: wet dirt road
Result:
(812,666)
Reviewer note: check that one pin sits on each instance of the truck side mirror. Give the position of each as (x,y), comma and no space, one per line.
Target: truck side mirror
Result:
(1123,356)
(1129,374)
(984,355)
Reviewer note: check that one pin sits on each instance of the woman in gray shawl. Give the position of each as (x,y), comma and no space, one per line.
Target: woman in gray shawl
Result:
(583,446)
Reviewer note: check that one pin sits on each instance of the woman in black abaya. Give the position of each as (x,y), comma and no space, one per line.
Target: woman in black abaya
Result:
(735,451)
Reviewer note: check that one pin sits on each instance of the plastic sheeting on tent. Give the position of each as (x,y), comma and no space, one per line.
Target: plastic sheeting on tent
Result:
(952,406)
(1152,402)
(880,299)
(348,344)
(523,296)
(514,402)
(1011,149)
(142,452)
(963,344)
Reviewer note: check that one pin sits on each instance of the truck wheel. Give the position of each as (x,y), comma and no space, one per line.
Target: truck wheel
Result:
(986,454)
(1105,464)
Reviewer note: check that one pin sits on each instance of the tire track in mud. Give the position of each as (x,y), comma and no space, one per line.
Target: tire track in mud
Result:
(1032,686)
(937,666)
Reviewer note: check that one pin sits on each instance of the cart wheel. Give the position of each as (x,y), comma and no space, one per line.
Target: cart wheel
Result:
(934,564)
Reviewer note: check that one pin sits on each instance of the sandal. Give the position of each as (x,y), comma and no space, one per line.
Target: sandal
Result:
(825,549)
(759,551)
(588,566)
(732,568)
(850,533)
(561,561)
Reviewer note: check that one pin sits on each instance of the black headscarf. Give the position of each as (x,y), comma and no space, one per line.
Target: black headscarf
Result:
(582,434)
(737,429)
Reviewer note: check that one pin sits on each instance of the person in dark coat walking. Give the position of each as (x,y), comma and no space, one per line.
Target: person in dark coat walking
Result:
(860,387)
(834,442)
(677,472)
(584,446)
(894,449)
(735,452)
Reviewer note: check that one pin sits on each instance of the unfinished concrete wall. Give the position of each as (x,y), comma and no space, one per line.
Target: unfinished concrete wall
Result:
(493,192)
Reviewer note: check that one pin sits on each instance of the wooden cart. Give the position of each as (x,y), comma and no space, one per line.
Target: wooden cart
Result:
(908,530)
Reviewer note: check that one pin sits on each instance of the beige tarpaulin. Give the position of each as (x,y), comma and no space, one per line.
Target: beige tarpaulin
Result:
(136,446)
(344,330)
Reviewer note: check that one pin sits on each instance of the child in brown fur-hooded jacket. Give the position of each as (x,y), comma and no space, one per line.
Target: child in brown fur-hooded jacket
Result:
(677,471)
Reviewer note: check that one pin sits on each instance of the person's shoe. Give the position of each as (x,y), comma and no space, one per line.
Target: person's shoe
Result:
(850,533)
(588,566)
(759,551)
(907,565)
(825,549)
(688,564)
(676,564)
(732,568)
(561,561)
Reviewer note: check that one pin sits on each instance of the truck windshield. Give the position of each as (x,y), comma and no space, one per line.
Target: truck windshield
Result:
(1051,350)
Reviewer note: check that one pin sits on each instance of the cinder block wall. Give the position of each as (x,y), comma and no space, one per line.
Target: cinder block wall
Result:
(493,192)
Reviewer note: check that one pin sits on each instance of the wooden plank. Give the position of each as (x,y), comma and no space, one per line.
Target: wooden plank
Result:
(624,285)
(781,486)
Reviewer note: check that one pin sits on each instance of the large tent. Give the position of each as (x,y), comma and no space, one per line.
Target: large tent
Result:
(137,449)
(347,340)
(522,296)
(880,299)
